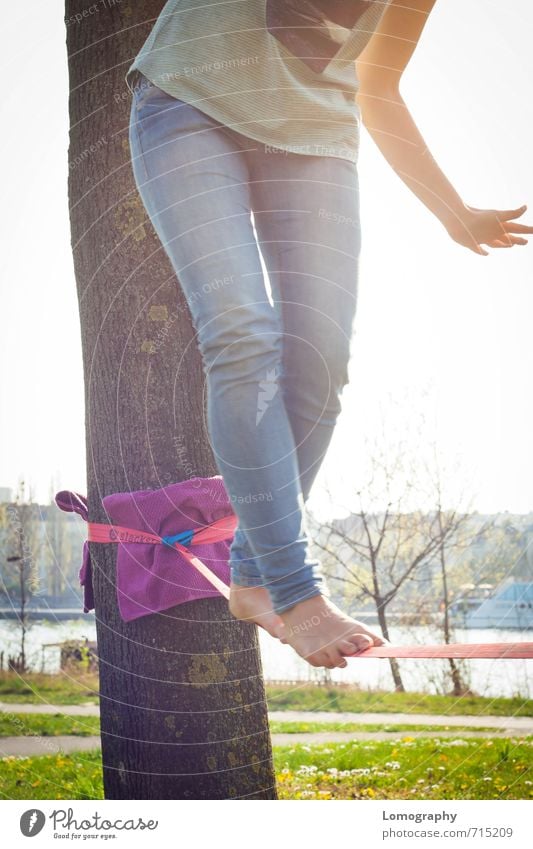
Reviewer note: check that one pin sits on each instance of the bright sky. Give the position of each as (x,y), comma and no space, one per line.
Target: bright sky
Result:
(430,312)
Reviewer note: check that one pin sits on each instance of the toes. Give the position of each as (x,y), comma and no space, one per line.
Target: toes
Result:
(361,641)
(346,647)
(320,659)
(336,657)
(378,639)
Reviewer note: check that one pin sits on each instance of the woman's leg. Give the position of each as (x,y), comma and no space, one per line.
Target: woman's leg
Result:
(312,260)
(306,212)
(193,178)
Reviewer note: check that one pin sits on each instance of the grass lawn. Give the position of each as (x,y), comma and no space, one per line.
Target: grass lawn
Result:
(422,768)
(350,699)
(63,689)
(407,769)
(47,725)
(312,727)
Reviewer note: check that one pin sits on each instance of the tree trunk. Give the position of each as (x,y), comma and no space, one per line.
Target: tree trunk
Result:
(182,698)
(393,663)
(455,673)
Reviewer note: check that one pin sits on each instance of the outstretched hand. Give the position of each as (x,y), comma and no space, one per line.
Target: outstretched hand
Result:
(493,227)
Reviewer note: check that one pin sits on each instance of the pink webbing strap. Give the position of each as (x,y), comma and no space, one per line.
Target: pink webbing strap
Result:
(500,651)
(219,530)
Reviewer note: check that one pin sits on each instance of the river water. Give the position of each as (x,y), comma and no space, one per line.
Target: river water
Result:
(485,677)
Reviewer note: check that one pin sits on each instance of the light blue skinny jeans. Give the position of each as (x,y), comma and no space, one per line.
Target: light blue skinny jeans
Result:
(275,366)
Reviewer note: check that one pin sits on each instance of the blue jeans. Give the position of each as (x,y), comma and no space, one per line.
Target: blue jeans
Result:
(275,363)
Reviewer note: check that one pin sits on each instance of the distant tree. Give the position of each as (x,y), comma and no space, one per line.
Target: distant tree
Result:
(384,542)
(502,550)
(389,550)
(23,545)
(59,548)
(456,533)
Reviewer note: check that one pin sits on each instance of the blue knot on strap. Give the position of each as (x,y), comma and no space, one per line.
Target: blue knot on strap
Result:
(185,538)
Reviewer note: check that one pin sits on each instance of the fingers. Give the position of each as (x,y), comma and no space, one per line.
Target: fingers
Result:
(518,228)
(506,242)
(506,214)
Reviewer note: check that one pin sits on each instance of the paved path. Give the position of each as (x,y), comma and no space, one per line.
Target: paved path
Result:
(35,745)
(86,709)
(348,736)
(502,726)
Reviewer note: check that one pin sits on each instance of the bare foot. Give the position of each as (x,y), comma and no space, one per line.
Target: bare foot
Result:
(323,635)
(253,604)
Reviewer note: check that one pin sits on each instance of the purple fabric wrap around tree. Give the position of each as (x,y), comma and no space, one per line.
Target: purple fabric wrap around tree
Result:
(151,578)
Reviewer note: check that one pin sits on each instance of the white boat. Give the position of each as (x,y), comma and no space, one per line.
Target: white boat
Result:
(509,606)
(469,598)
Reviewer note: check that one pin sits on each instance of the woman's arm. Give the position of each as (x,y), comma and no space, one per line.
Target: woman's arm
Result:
(389,122)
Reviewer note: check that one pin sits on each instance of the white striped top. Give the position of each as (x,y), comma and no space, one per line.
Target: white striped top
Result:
(220,56)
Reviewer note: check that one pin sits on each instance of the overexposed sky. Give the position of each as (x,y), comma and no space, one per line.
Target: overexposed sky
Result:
(430,312)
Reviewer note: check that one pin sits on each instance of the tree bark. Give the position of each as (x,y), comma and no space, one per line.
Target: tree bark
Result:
(459,688)
(393,663)
(182,698)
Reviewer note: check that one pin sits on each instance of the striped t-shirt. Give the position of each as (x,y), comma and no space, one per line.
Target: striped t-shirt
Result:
(281,73)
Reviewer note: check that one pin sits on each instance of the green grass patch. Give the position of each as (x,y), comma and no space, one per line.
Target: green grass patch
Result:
(47,725)
(350,699)
(37,688)
(407,769)
(401,769)
(318,727)
(74,776)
